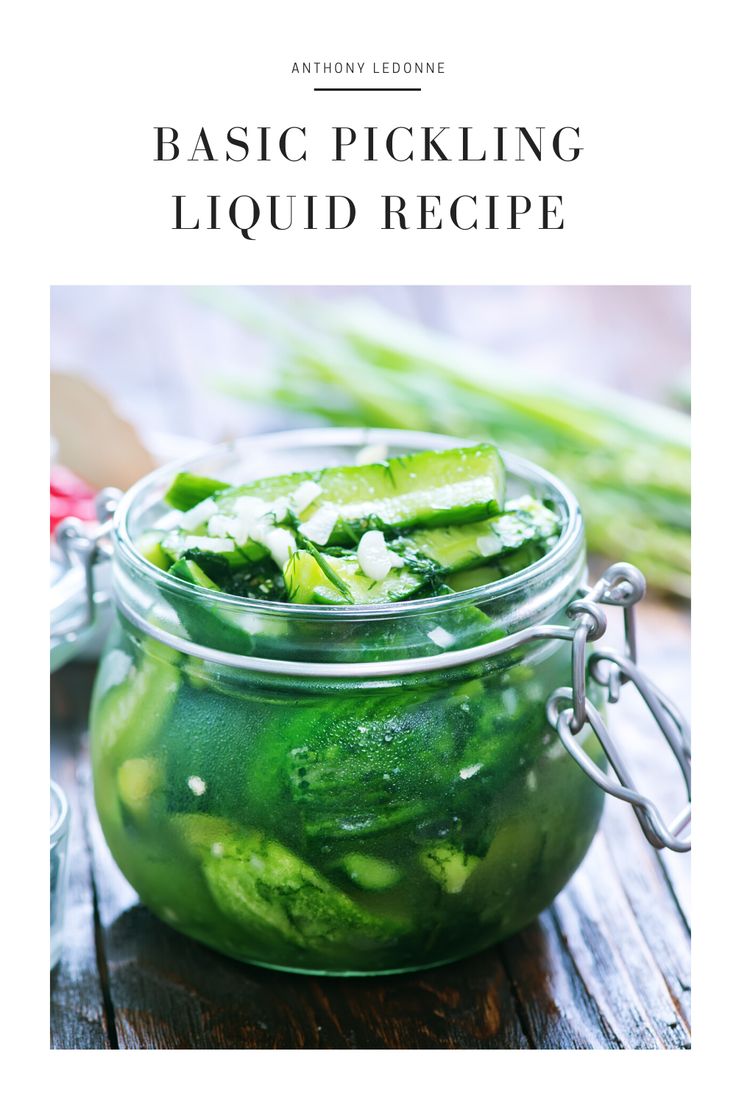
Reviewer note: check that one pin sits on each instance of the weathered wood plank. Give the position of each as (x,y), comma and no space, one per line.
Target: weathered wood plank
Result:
(649,895)
(467,1005)
(78,1016)
(557,1009)
(614,958)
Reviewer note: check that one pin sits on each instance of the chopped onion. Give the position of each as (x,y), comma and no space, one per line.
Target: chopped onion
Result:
(375,559)
(319,527)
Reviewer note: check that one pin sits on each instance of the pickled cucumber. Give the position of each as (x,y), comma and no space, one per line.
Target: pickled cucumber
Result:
(132,711)
(459,547)
(423,488)
(266,888)
(339,580)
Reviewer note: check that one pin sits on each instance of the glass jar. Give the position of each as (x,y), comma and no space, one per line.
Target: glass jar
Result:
(340,789)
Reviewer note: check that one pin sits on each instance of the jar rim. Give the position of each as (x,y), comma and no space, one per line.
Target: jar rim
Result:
(358,437)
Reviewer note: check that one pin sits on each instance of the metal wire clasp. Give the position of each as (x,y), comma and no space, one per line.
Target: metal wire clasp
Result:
(82,544)
(569,708)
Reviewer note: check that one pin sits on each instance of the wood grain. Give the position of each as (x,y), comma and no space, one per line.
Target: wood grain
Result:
(78,1013)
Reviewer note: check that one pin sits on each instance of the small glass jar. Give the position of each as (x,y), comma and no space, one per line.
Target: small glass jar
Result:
(59,815)
(320,788)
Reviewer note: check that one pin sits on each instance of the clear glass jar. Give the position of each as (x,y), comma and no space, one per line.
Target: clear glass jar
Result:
(318,788)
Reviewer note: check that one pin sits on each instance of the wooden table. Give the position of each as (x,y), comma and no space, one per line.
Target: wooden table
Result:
(607,966)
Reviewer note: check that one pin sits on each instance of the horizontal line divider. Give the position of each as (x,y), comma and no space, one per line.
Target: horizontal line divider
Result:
(375,89)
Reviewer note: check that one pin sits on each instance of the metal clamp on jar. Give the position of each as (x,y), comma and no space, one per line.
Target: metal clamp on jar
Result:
(621,585)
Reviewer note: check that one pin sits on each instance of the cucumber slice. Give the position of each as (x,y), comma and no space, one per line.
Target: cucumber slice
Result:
(498,569)
(256,579)
(460,547)
(192,573)
(429,555)
(189,490)
(511,865)
(473,577)
(217,628)
(359,769)
(149,544)
(138,781)
(202,835)
(308,583)
(369,872)
(128,716)
(400,583)
(265,888)
(337,580)
(448,865)
(424,488)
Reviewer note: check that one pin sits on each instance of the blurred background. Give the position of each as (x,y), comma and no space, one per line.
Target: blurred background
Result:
(593,382)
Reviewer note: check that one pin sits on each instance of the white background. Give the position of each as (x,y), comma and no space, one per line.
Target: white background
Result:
(103,208)
(650,200)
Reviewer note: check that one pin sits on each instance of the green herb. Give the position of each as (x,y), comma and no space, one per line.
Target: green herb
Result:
(627,460)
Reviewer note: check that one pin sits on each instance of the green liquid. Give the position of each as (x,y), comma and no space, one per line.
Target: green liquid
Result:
(337,829)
